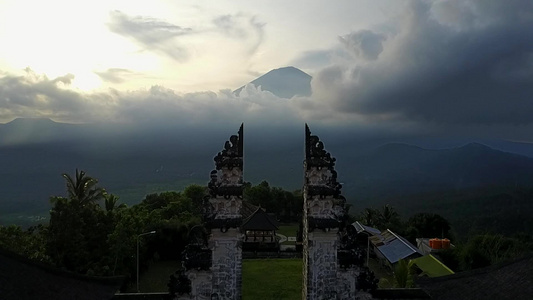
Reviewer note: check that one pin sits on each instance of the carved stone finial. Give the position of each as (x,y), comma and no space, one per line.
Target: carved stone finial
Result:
(326,275)
(226,179)
(223,205)
(321,177)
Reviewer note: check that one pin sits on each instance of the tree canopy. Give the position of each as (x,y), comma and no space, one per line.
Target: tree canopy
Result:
(287,206)
(82,188)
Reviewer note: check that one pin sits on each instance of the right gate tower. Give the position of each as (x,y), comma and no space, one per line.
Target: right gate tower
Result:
(332,262)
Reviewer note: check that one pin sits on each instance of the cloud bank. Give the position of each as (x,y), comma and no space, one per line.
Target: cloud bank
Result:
(36,95)
(441,62)
(439,67)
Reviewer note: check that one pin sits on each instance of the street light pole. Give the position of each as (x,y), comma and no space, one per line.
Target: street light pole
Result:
(138,238)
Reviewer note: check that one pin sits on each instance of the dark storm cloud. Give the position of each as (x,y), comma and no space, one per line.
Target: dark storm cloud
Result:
(150,33)
(317,59)
(364,44)
(313,59)
(29,95)
(446,62)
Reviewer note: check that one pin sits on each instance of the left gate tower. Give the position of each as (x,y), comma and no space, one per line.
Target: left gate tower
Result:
(215,272)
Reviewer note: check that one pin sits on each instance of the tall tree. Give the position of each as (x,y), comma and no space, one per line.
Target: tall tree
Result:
(196,194)
(110,203)
(82,188)
(487,249)
(370,217)
(427,225)
(389,218)
(260,194)
(404,274)
(78,229)
(384,218)
(30,243)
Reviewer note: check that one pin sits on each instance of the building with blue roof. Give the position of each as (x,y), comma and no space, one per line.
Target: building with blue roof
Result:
(390,247)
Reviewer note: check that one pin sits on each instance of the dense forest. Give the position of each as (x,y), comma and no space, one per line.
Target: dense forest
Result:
(504,210)
(91,232)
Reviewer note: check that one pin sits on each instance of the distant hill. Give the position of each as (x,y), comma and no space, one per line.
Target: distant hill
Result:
(478,189)
(399,169)
(26,130)
(134,162)
(283,82)
(478,210)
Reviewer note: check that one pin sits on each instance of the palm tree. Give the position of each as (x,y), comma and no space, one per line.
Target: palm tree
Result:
(404,274)
(370,217)
(83,189)
(389,217)
(111,203)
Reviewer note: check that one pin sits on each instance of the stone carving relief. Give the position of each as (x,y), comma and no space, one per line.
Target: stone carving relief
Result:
(227,208)
(330,271)
(214,267)
(324,199)
(323,264)
(201,284)
(346,284)
(226,184)
(227,268)
(224,205)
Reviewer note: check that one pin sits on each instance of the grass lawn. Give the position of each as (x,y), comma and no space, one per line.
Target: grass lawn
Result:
(288,229)
(271,279)
(261,278)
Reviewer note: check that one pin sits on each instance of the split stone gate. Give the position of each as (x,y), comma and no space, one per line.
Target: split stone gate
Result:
(331,260)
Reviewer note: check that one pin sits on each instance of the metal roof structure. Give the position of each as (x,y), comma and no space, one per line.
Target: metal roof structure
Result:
(431,266)
(363,228)
(260,220)
(394,247)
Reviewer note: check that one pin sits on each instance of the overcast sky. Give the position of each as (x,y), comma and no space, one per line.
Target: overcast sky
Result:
(415,67)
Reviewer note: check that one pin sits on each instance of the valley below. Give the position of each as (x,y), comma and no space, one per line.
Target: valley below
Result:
(477,187)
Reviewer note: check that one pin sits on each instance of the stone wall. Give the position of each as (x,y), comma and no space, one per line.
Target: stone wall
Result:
(201,284)
(227,263)
(322,264)
(222,278)
(324,211)
(305,248)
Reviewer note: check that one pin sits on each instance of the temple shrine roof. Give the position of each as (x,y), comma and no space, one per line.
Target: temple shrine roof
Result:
(260,220)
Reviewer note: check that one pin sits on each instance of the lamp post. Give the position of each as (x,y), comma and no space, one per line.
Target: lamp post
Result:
(138,238)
